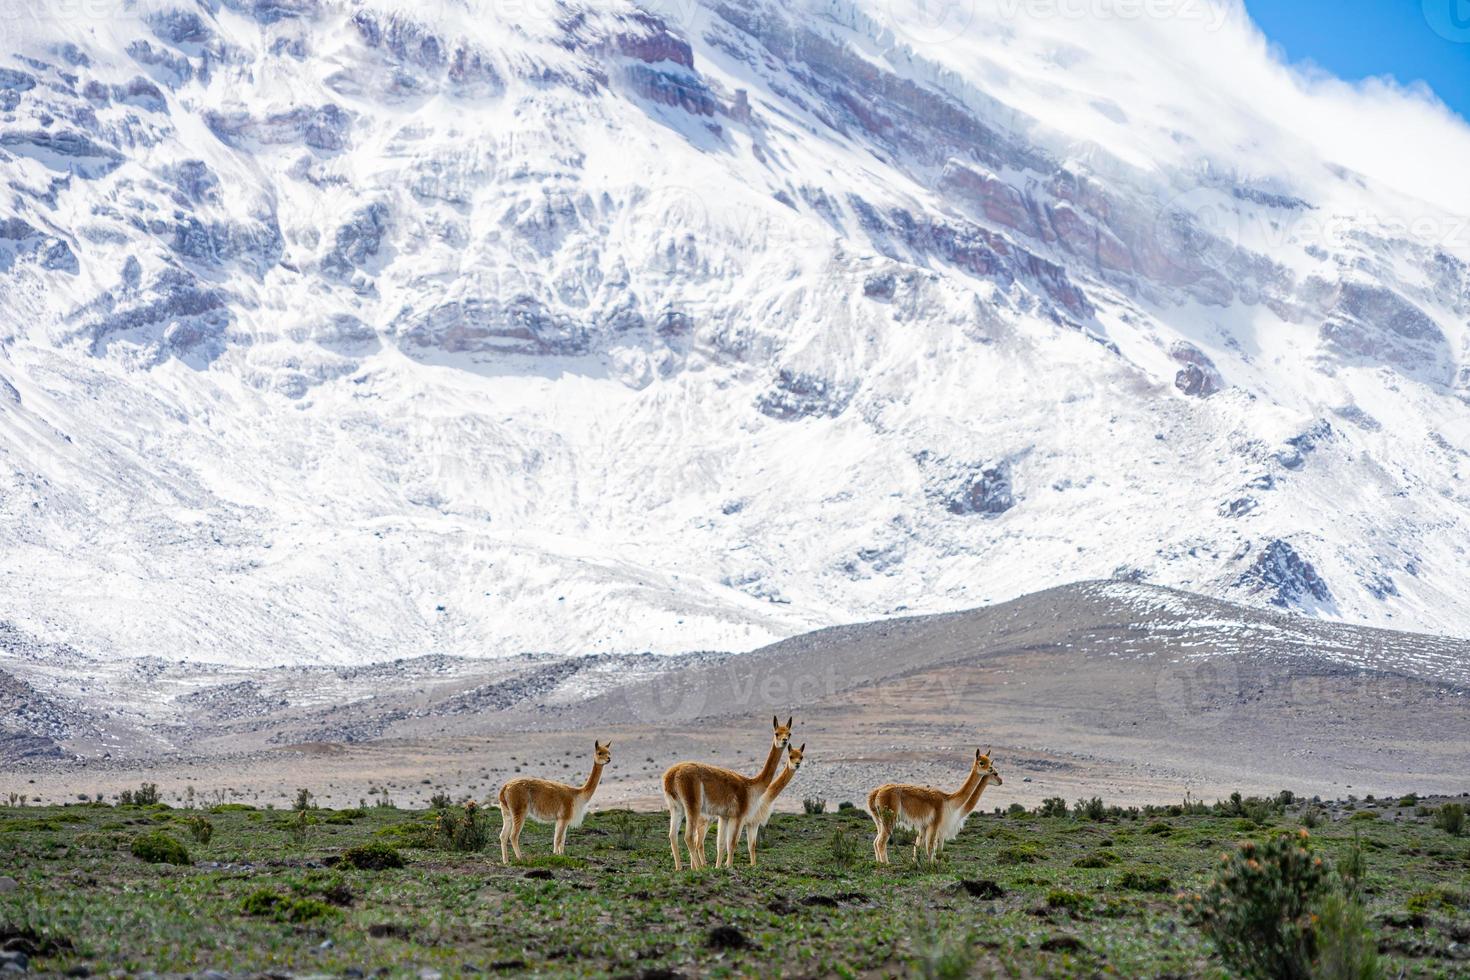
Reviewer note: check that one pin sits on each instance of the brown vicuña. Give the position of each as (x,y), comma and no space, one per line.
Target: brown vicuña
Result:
(694,792)
(935,815)
(547,802)
(753,821)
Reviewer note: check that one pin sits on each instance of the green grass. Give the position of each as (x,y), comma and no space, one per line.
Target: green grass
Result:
(1020,895)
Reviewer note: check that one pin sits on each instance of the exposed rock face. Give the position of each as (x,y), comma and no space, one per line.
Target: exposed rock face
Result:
(1283,577)
(794,395)
(1199,377)
(967,488)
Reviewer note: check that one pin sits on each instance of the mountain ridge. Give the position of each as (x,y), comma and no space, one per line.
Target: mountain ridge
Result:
(435,332)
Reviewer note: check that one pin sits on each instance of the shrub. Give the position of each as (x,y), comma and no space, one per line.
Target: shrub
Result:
(1092,809)
(285,908)
(846,805)
(440,801)
(1097,859)
(376,856)
(1053,806)
(843,847)
(1363,815)
(1311,816)
(941,957)
(813,805)
(159,848)
(460,829)
(1411,800)
(1144,880)
(625,826)
(1451,819)
(1351,868)
(1016,810)
(1158,827)
(1346,949)
(1259,910)
(144,795)
(200,829)
(1061,898)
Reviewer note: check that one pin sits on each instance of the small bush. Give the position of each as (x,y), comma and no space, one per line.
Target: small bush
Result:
(376,856)
(1346,948)
(462,829)
(440,801)
(625,827)
(286,908)
(1451,819)
(231,808)
(814,805)
(200,829)
(843,848)
(145,795)
(159,848)
(1144,880)
(1352,867)
(1411,800)
(1363,815)
(1053,806)
(1069,901)
(846,805)
(940,956)
(1259,910)
(1311,816)
(1159,827)
(1092,809)
(1097,859)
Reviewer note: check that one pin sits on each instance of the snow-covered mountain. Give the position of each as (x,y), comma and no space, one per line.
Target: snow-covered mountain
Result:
(344,330)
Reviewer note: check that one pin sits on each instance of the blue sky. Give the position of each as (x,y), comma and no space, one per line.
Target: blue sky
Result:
(1411,40)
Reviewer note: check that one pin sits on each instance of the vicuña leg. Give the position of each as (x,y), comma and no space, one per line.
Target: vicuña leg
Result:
(515,834)
(676,813)
(559,844)
(505,836)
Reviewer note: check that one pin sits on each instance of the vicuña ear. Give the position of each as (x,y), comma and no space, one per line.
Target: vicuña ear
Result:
(802,750)
(775,722)
(789,720)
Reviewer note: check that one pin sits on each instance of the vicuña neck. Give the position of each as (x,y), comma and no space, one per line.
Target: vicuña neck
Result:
(774,790)
(974,798)
(963,793)
(591,784)
(768,771)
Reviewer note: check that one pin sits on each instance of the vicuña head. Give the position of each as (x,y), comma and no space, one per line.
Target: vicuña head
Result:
(781,736)
(547,802)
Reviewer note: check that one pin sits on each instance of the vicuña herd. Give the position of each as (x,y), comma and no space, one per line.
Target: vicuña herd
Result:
(697,792)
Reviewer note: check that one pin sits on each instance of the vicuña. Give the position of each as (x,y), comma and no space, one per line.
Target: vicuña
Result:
(547,802)
(696,792)
(936,816)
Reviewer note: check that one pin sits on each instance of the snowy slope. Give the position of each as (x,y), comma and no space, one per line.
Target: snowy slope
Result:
(345,331)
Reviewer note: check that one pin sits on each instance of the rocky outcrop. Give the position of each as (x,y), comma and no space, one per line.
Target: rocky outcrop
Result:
(325,127)
(966,487)
(20,242)
(1198,378)
(1375,324)
(797,394)
(1282,577)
